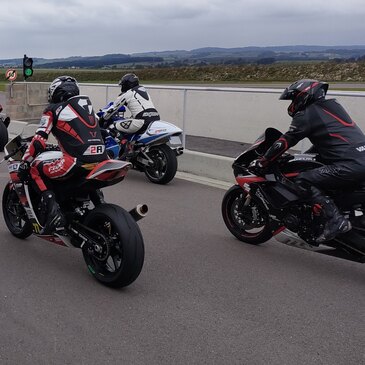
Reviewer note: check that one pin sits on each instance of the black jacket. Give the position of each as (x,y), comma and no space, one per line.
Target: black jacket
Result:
(333,133)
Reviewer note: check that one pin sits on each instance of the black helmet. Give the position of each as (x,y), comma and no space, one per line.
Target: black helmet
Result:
(128,81)
(302,93)
(62,88)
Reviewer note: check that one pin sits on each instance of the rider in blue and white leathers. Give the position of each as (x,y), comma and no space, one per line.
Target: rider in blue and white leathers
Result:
(136,98)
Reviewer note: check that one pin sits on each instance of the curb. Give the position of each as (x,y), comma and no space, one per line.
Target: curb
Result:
(192,162)
(206,165)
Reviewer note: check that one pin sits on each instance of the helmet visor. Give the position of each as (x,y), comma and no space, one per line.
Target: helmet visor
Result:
(287,94)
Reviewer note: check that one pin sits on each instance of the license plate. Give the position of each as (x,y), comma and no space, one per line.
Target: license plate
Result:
(175,140)
(13,167)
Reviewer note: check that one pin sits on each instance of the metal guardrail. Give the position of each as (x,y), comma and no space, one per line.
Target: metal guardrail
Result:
(190,89)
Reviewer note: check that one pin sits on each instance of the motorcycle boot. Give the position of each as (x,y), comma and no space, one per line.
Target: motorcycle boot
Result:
(55,219)
(336,223)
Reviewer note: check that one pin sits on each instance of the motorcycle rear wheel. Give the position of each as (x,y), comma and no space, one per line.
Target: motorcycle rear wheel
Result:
(124,250)
(165,164)
(250,224)
(14,214)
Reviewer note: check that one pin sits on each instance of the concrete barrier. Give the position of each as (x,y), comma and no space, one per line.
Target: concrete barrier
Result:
(236,114)
(206,165)
(196,163)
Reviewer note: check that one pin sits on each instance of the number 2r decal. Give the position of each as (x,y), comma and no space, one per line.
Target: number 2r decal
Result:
(95,150)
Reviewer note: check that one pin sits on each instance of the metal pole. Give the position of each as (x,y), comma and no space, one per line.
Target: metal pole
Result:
(184,118)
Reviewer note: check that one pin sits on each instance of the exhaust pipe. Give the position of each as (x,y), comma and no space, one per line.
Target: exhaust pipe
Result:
(139,212)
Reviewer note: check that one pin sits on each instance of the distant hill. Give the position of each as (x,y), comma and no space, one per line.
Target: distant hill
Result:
(202,56)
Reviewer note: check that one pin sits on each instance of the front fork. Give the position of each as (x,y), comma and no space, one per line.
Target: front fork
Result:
(276,225)
(22,190)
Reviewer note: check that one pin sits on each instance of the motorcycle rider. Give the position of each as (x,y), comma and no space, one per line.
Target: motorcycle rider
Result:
(139,103)
(71,119)
(339,142)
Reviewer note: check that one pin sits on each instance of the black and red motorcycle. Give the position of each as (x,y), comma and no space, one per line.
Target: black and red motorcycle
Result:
(258,208)
(108,235)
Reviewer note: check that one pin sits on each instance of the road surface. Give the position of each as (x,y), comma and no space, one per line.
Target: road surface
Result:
(202,297)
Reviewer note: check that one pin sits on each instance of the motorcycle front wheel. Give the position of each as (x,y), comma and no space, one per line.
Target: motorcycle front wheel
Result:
(247,221)
(164,164)
(118,261)
(15,217)
(4,136)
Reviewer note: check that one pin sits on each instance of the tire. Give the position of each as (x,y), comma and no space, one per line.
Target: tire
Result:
(165,164)
(14,214)
(122,264)
(4,136)
(241,222)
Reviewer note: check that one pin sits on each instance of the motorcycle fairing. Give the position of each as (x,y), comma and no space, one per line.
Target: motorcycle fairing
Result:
(112,146)
(49,156)
(259,147)
(158,130)
(277,195)
(111,171)
(12,146)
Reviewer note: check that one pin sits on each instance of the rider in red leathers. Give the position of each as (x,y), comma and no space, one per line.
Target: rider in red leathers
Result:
(71,119)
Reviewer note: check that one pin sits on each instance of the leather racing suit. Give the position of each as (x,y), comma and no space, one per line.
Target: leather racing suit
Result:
(337,139)
(140,105)
(341,146)
(77,131)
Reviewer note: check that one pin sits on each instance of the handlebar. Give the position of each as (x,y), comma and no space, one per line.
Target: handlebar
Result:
(49,147)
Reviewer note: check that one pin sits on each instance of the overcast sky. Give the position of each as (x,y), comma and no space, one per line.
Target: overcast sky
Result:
(63,28)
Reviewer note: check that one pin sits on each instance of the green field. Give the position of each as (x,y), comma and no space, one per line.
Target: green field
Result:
(340,72)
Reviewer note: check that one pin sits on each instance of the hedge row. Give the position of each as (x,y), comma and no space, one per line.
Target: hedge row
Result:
(329,71)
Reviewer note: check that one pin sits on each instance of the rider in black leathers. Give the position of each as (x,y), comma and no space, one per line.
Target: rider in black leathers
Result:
(335,137)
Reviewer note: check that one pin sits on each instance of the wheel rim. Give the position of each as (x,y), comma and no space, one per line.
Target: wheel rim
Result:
(159,168)
(105,257)
(248,220)
(15,212)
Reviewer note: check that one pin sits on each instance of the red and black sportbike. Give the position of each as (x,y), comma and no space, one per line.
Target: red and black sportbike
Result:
(110,239)
(258,208)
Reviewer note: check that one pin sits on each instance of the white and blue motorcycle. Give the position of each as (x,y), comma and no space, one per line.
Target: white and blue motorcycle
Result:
(153,152)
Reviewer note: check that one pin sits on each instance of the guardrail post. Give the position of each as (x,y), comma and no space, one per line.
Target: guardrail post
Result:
(184,118)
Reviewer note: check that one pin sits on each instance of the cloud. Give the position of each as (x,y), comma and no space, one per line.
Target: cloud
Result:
(50,28)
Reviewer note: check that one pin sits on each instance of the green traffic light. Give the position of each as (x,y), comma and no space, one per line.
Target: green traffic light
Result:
(28,72)
(27,67)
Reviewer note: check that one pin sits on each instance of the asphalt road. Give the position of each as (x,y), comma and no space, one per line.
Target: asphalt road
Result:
(202,297)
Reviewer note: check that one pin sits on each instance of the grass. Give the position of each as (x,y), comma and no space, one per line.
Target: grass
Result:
(343,76)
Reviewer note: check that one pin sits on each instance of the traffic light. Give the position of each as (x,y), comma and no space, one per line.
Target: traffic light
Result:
(27,67)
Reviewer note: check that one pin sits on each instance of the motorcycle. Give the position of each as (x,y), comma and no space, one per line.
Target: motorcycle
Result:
(153,152)
(109,237)
(258,207)
(4,123)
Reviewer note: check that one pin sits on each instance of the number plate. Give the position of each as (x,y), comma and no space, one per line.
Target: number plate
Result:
(175,140)
(13,167)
